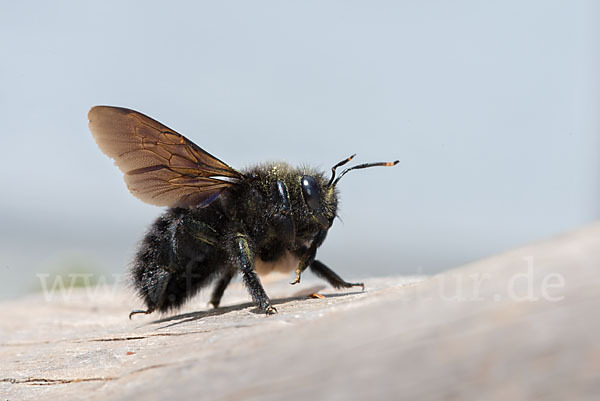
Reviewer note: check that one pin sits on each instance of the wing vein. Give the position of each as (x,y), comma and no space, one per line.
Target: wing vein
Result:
(161,166)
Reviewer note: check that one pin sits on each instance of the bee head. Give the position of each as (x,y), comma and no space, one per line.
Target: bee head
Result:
(321,197)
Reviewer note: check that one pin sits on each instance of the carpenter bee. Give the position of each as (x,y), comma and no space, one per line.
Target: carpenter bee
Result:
(219,221)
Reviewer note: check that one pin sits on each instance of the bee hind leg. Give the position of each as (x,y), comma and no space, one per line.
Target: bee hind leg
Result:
(331,277)
(136,311)
(220,287)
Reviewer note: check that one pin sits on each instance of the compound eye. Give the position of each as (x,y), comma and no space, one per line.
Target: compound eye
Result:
(311,192)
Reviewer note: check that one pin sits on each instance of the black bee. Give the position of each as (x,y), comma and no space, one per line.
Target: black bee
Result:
(219,220)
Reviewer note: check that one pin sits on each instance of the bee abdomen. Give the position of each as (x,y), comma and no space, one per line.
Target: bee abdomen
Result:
(170,265)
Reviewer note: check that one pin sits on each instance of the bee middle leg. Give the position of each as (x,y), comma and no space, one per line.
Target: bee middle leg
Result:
(220,287)
(331,277)
(244,259)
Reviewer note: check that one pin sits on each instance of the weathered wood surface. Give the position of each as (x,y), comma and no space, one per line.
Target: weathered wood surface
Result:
(467,334)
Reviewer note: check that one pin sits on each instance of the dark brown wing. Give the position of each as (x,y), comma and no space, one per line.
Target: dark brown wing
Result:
(161,167)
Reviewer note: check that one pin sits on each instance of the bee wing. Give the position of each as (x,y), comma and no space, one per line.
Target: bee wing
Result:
(161,167)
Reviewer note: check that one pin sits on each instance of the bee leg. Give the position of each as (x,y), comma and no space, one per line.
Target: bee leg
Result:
(136,311)
(301,267)
(244,259)
(298,274)
(219,289)
(306,259)
(331,277)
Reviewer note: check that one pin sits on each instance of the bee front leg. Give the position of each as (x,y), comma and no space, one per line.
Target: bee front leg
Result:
(243,258)
(305,260)
(332,278)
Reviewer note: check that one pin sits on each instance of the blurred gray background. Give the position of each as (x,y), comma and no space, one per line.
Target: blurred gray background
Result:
(492,108)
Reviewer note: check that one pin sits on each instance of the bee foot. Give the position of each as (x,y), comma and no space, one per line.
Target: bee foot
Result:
(316,296)
(136,311)
(270,310)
